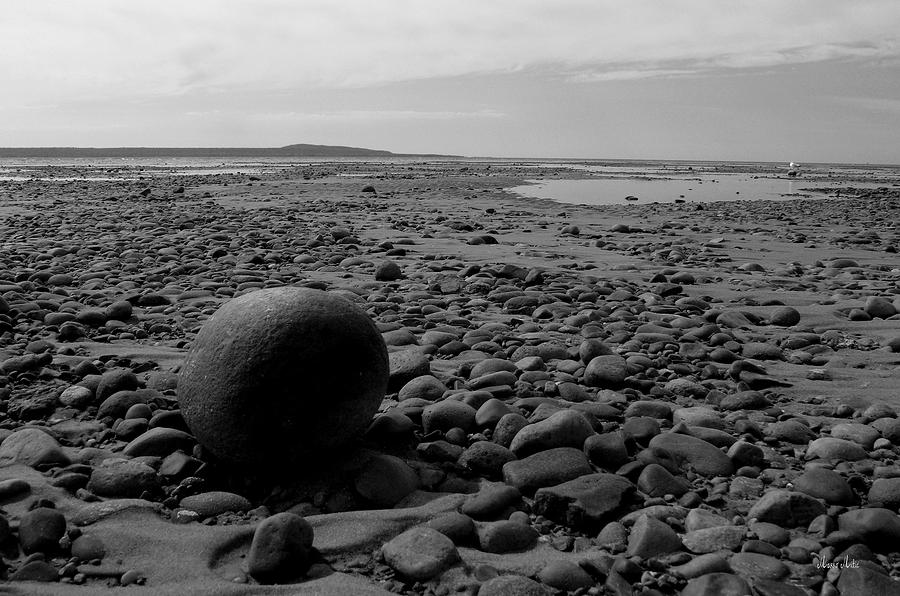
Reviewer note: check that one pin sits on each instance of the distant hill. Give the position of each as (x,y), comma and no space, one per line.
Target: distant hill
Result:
(299,150)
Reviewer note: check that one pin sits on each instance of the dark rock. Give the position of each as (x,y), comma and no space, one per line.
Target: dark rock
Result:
(696,454)
(585,502)
(280,549)
(566,428)
(40,530)
(283,374)
(786,508)
(650,537)
(546,468)
(506,536)
(717,584)
(213,503)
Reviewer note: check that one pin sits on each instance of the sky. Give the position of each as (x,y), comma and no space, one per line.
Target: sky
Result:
(756,80)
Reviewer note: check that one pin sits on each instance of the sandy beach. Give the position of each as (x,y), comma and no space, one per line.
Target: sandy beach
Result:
(679,398)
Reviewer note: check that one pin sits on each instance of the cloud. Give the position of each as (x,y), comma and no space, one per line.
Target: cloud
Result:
(58,50)
(375,115)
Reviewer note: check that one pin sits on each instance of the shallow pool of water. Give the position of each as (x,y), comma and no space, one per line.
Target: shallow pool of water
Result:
(609,191)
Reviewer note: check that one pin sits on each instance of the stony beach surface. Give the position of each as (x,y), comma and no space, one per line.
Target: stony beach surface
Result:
(693,399)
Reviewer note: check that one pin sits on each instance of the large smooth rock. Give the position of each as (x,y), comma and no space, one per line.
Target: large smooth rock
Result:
(786,508)
(879,528)
(283,374)
(546,468)
(704,458)
(566,428)
(32,447)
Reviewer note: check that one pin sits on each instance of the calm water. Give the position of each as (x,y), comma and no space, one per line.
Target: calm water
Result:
(666,183)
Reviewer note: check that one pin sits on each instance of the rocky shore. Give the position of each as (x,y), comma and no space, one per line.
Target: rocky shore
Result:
(693,399)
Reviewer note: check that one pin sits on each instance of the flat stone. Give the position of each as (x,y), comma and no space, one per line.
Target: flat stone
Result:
(213,503)
(744,400)
(754,565)
(696,454)
(656,481)
(32,447)
(786,508)
(546,468)
(160,441)
(863,434)
(830,448)
(791,431)
(702,565)
(122,478)
(710,540)
(585,502)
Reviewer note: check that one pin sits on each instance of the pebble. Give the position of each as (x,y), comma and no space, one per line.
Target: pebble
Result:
(280,549)
(505,536)
(606,371)
(40,530)
(122,478)
(458,527)
(565,575)
(386,480)
(448,414)
(489,502)
(486,458)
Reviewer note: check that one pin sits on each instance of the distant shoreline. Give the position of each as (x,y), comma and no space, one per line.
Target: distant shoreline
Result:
(299,150)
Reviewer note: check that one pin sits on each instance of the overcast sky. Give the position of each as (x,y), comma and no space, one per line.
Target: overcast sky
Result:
(773,80)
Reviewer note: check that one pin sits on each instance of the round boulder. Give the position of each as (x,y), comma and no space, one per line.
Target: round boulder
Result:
(283,374)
